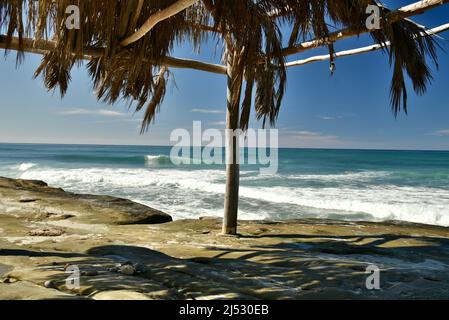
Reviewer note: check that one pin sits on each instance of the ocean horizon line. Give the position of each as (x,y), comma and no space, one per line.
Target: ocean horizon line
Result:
(169,146)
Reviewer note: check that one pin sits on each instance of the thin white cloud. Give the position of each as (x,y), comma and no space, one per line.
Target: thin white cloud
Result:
(218,123)
(339,117)
(100,112)
(214,111)
(308,139)
(119,120)
(442,133)
(327,118)
(304,133)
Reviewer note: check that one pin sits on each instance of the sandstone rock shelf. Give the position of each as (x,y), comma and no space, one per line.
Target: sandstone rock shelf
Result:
(124,251)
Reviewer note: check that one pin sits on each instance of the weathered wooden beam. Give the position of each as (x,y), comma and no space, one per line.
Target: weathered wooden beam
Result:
(366,49)
(394,16)
(45,46)
(159,16)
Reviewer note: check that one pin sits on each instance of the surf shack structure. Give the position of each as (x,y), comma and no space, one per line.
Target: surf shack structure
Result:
(128,47)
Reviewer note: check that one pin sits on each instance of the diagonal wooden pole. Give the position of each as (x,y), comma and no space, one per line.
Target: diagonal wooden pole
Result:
(357,51)
(159,16)
(394,16)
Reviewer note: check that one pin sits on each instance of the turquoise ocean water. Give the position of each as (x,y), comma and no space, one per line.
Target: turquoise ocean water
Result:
(340,184)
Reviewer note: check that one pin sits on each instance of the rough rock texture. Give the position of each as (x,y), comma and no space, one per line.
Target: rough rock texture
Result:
(36,200)
(189,259)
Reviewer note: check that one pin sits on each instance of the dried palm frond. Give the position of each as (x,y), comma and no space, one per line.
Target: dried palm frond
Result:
(133,72)
(408,52)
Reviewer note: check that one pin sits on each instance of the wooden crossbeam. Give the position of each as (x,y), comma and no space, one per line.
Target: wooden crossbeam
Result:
(366,49)
(394,16)
(45,46)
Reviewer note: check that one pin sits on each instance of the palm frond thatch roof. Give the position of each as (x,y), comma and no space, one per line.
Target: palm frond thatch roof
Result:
(123,66)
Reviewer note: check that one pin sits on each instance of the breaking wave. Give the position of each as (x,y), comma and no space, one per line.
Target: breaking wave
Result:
(193,193)
(25,166)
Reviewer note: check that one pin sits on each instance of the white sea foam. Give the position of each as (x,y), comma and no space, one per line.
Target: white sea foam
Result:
(349,176)
(344,177)
(24,166)
(421,205)
(192,193)
(152,160)
(164,160)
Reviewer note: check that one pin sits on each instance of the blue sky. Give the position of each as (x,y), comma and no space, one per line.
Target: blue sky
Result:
(347,110)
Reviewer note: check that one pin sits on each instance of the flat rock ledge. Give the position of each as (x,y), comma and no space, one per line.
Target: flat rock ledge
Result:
(35,199)
(47,236)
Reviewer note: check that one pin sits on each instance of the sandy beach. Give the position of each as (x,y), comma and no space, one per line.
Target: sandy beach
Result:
(124,251)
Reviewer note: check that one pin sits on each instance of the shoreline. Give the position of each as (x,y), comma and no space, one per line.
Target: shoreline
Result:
(339,185)
(123,252)
(169,146)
